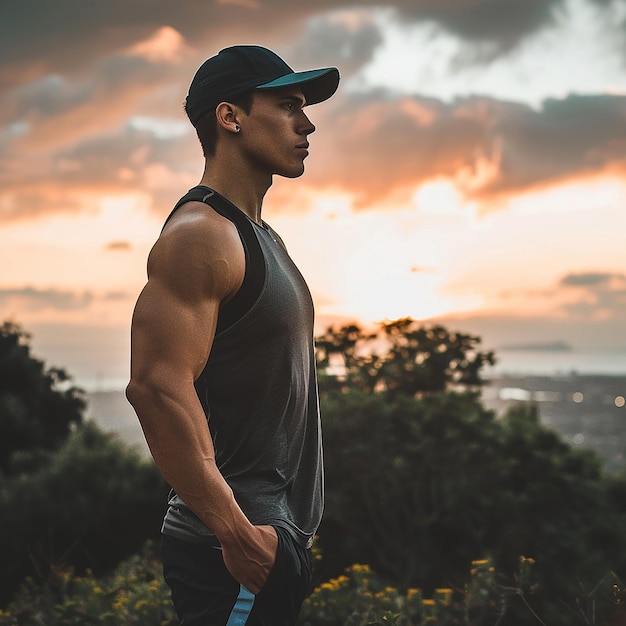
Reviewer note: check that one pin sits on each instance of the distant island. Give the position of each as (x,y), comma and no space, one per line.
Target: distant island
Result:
(549,346)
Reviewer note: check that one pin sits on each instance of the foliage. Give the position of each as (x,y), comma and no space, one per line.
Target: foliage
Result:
(360,598)
(400,358)
(38,408)
(418,482)
(400,476)
(91,504)
(69,494)
(134,594)
(438,480)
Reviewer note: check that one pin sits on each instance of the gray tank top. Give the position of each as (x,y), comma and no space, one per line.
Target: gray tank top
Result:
(259,391)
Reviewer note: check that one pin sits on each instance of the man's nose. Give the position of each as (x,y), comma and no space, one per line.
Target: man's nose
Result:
(307,126)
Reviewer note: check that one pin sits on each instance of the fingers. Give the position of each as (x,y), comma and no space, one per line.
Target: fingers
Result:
(251,562)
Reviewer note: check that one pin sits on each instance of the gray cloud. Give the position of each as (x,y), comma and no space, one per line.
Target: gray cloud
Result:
(589,293)
(576,330)
(68,35)
(600,294)
(330,40)
(37,38)
(31,299)
(493,149)
(62,134)
(591,279)
(116,296)
(371,146)
(495,26)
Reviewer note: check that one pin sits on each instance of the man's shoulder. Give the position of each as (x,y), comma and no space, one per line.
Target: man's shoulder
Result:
(197,216)
(197,239)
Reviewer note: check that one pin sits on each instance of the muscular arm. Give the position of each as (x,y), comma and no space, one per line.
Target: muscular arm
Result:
(197,264)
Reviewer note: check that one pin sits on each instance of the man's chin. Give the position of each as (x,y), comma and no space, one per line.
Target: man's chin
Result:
(293,173)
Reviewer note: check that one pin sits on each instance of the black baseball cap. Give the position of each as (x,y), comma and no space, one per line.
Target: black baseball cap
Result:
(238,69)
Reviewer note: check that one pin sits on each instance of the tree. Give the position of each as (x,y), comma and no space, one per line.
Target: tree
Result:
(38,408)
(422,479)
(93,504)
(69,494)
(401,358)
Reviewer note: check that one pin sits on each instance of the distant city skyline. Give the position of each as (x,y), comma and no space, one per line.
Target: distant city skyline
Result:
(471,169)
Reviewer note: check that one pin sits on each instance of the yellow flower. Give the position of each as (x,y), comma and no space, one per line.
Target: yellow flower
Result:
(444,596)
(97,590)
(412,592)
(479,562)
(361,568)
(120,602)
(428,602)
(140,603)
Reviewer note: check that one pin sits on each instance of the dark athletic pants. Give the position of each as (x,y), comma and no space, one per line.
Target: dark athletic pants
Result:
(205,594)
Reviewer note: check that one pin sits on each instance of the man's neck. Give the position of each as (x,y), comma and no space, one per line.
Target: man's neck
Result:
(243,188)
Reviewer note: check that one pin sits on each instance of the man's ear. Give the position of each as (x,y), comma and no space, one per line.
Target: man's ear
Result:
(226,115)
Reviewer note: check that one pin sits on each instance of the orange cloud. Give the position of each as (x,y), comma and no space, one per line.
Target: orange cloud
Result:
(492,150)
(165,45)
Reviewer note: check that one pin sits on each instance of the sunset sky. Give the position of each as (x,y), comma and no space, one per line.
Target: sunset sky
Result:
(470,169)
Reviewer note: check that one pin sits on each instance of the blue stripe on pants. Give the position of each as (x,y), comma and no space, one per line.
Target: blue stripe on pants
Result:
(242,609)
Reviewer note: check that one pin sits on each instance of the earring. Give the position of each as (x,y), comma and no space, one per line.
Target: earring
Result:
(237,128)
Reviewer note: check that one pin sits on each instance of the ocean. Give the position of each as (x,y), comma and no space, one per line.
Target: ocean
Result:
(528,362)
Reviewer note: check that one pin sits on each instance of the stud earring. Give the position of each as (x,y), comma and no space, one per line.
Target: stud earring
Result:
(237,128)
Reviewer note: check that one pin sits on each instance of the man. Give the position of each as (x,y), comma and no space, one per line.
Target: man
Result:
(222,368)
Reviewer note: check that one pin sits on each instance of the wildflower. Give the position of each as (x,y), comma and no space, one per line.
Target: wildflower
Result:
(412,593)
(480,562)
(360,568)
(444,595)
(97,590)
(120,602)
(428,602)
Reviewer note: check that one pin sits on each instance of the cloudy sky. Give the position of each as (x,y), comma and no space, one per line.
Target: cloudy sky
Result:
(471,168)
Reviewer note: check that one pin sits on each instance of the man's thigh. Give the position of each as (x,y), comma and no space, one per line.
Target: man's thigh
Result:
(203,591)
(205,594)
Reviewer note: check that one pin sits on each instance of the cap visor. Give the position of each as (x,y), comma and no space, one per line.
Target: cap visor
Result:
(317,85)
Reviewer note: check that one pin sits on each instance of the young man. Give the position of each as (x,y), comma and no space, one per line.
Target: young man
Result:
(223,368)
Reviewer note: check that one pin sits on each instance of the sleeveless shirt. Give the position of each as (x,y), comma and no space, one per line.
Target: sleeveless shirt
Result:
(259,391)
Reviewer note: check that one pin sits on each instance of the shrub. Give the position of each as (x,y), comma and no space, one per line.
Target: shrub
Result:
(135,594)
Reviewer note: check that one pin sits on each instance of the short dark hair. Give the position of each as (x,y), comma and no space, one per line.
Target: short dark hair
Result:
(206,126)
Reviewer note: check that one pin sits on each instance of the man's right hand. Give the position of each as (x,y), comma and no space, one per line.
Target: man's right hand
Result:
(250,557)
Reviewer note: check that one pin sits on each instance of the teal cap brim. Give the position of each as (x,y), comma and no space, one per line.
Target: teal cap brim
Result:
(317,85)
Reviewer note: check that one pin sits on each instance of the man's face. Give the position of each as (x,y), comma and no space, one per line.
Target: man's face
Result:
(274,134)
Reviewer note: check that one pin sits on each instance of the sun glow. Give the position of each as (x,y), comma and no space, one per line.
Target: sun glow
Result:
(374,265)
